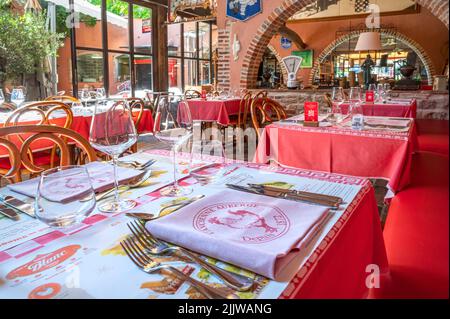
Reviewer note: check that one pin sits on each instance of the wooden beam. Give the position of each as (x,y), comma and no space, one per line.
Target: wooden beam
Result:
(293,36)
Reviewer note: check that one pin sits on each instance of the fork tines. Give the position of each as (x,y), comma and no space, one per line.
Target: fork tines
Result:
(135,253)
(142,234)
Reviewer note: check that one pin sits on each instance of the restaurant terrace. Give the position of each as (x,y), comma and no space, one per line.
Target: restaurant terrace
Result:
(224,149)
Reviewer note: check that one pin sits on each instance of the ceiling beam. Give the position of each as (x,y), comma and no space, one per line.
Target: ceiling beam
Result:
(293,36)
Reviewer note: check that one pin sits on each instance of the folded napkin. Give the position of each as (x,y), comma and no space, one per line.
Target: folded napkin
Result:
(101,176)
(400,123)
(254,232)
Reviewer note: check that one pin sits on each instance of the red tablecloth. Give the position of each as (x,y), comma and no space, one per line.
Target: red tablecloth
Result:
(214,110)
(376,154)
(395,108)
(80,124)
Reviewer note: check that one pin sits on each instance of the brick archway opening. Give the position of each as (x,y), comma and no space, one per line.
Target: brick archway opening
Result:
(279,17)
(416,47)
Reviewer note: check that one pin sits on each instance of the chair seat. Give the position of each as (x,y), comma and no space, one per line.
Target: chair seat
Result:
(39,159)
(433,136)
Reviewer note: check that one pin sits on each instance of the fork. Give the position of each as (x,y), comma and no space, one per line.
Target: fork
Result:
(157,247)
(144,262)
(136,164)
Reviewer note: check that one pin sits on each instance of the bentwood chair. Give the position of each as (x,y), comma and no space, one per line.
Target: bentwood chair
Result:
(63,98)
(137,106)
(19,154)
(8,107)
(327,97)
(260,115)
(38,113)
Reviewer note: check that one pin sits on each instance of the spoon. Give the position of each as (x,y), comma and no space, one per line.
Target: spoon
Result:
(179,205)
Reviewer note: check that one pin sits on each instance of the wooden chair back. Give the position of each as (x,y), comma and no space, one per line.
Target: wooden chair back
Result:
(58,135)
(244,110)
(5,106)
(259,116)
(327,97)
(63,98)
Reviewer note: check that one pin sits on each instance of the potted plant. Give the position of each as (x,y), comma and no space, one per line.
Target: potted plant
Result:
(25,45)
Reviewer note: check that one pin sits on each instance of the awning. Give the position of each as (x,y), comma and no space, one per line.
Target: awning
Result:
(94,11)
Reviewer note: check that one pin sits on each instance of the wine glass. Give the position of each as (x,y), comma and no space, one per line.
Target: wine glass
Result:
(65,196)
(17,96)
(85,96)
(355,94)
(173,127)
(100,93)
(2,97)
(113,132)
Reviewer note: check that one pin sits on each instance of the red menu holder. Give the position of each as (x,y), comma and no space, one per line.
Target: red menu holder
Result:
(311,114)
(370,96)
(204,95)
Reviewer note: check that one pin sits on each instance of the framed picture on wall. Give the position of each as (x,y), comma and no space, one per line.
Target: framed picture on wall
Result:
(308,58)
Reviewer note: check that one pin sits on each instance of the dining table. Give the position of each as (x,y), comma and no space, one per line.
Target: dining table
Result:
(393,107)
(87,260)
(81,123)
(383,149)
(218,109)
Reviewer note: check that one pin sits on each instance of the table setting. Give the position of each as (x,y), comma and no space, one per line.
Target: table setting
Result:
(92,251)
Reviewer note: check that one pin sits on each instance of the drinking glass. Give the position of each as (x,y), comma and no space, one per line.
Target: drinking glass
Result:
(2,97)
(204,150)
(173,127)
(355,94)
(100,93)
(65,196)
(17,96)
(372,87)
(113,132)
(85,96)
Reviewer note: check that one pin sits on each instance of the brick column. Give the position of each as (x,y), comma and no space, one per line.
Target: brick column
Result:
(224,52)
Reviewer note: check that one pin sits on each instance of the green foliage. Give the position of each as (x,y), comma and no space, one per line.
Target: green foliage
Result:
(24,43)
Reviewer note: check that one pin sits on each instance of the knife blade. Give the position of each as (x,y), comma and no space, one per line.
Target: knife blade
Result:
(18,204)
(9,212)
(287,196)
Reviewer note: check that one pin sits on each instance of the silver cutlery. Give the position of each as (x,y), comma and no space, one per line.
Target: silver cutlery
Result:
(286,195)
(9,212)
(158,247)
(18,204)
(179,205)
(124,188)
(145,263)
(137,165)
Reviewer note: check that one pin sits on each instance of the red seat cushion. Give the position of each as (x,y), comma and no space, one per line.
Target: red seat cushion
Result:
(40,159)
(417,233)
(433,136)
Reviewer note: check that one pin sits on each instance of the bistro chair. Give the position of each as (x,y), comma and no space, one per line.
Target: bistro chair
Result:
(136,105)
(8,107)
(41,113)
(19,159)
(63,98)
(327,97)
(192,94)
(259,116)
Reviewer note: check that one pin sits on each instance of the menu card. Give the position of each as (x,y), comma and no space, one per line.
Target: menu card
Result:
(370,97)
(311,111)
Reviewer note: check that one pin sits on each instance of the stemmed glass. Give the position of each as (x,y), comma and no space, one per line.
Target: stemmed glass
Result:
(65,196)
(2,97)
(174,127)
(17,96)
(355,94)
(338,99)
(85,96)
(100,93)
(203,150)
(113,132)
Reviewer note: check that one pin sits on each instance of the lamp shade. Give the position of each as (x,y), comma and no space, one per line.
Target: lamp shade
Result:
(368,41)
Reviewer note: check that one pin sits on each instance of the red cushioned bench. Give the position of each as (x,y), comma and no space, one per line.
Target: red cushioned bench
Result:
(433,136)
(417,233)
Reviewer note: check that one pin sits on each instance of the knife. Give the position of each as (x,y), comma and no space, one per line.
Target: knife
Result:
(9,212)
(18,204)
(288,196)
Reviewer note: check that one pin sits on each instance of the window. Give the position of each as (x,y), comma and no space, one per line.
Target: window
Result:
(190,47)
(121,60)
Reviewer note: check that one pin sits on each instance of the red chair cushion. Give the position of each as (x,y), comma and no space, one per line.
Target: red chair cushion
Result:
(433,136)
(417,233)
(40,159)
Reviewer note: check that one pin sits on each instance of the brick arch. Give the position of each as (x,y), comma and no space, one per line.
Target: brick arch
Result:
(417,48)
(282,13)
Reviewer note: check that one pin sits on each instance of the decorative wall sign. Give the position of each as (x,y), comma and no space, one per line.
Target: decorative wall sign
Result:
(236,47)
(243,9)
(286,43)
(192,10)
(308,58)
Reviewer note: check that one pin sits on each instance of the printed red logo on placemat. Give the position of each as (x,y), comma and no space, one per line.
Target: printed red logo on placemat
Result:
(255,228)
(46,291)
(43,262)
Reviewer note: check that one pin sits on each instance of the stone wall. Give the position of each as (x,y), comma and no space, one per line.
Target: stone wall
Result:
(430,104)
